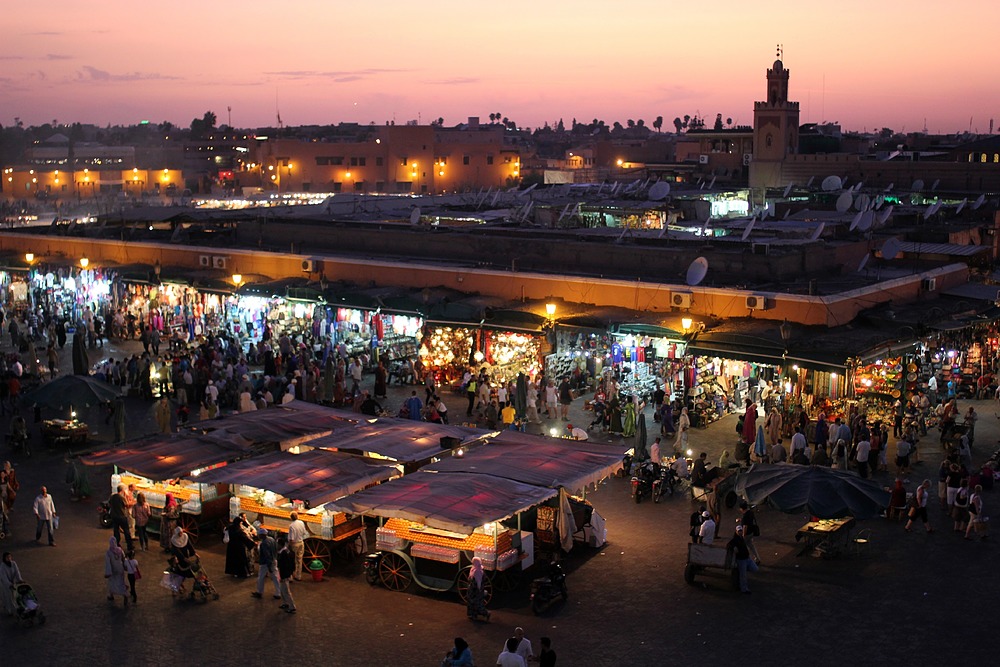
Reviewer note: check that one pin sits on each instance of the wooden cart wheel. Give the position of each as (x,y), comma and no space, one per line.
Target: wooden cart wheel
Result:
(462,585)
(190,525)
(507,580)
(316,549)
(394,572)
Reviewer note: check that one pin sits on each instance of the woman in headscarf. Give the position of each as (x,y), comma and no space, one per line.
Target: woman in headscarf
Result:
(772,426)
(114,571)
(168,520)
(615,415)
(183,554)
(460,656)
(628,424)
(238,548)
(10,574)
(750,423)
(475,597)
(381,380)
(683,426)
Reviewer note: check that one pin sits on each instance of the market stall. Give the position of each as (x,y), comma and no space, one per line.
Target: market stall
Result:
(448,351)
(645,356)
(158,466)
(271,486)
(434,524)
(283,426)
(65,291)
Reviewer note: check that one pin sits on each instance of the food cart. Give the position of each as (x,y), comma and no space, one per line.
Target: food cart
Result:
(64,431)
(158,466)
(435,524)
(270,487)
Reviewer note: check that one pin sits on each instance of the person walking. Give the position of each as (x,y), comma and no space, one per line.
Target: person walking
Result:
(10,574)
(267,562)
(297,535)
(546,656)
(741,553)
(141,512)
(751,529)
(565,398)
(977,520)
(286,568)
(133,573)
(475,599)
(114,571)
(118,511)
(45,514)
(919,509)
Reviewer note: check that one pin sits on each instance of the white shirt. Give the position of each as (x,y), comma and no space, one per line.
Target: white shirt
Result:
(864,448)
(506,659)
(707,531)
(524,649)
(297,531)
(932,383)
(798,441)
(579,434)
(45,509)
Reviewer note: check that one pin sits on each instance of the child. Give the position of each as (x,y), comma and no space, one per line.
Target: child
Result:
(132,571)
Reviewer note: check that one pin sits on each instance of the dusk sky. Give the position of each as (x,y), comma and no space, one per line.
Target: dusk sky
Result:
(864,64)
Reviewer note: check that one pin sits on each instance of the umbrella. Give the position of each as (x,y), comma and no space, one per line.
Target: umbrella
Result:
(823,492)
(641,451)
(71,391)
(758,445)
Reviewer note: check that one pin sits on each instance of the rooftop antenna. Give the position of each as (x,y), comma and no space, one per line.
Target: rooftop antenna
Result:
(277,111)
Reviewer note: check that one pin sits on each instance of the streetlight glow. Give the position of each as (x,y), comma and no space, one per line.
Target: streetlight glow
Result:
(84,262)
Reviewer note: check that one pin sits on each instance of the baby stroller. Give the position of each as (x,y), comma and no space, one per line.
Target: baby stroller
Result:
(200,583)
(26,604)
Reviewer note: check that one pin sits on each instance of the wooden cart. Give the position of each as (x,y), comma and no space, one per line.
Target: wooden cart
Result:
(702,557)
(202,505)
(411,553)
(329,532)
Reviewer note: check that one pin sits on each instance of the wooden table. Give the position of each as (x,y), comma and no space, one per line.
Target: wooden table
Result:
(55,431)
(828,536)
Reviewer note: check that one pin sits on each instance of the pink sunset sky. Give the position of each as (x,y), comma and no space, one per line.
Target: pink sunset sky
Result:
(865,64)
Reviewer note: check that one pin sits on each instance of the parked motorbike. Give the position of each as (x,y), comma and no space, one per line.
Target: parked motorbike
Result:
(626,466)
(545,590)
(19,443)
(664,483)
(642,481)
(104,514)
(371,564)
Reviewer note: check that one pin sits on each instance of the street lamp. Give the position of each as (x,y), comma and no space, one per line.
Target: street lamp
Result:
(84,262)
(29,257)
(237,279)
(550,309)
(686,323)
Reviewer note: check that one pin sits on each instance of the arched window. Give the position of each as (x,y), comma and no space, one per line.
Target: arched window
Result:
(996,157)
(982,158)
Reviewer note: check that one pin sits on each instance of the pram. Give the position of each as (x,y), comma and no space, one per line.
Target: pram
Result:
(200,583)
(26,604)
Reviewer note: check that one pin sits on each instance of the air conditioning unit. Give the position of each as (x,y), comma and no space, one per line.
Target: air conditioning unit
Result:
(928,284)
(747,159)
(702,159)
(308,265)
(680,299)
(205,260)
(219,262)
(756,303)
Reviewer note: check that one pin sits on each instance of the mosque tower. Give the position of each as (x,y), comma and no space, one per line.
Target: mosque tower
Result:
(775,129)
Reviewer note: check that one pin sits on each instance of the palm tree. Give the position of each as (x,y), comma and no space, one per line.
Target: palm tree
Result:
(658,123)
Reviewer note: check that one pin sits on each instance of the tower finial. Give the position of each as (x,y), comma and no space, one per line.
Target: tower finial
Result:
(780,51)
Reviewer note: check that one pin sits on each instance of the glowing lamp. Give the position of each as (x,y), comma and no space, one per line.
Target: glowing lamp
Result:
(29,257)
(237,279)
(686,323)
(550,309)
(84,262)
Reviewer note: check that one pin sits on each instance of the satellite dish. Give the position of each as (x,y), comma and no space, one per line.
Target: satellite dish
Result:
(704,227)
(749,228)
(857,186)
(831,183)
(415,216)
(810,181)
(659,191)
(961,205)
(863,202)
(864,262)
(934,185)
(788,189)
(844,202)
(697,271)
(817,232)
(712,183)
(917,185)
(867,218)
(788,212)
(928,212)
(884,215)
(979,202)
(891,249)
(856,221)
(889,188)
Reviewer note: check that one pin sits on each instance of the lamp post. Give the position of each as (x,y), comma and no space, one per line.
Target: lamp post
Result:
(84,262)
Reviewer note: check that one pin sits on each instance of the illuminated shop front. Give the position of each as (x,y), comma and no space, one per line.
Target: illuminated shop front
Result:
(67,291)
(643,356)
(449,351)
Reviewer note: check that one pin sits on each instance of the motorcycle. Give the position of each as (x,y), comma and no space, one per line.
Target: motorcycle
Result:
(664,483)
(545,590)
(642,481)
(371,564)
(104,514)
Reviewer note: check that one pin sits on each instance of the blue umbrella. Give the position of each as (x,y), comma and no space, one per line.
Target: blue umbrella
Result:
(758,445)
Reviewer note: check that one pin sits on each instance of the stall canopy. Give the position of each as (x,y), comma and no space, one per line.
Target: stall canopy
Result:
(458,502)
(315,476)
(169,458)
(403,440)
(823,492)
(537,460)
(286,425)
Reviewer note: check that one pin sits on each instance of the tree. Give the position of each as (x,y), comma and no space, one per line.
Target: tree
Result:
(718,121)
(631,123)
(617,127)
(687,120)
(562,128)
(204,125)
(678,125)
(640,123)
(658,123)
(729,122)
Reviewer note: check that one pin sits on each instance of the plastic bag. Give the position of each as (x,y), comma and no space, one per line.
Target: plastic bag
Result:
(55,522)
(225,536)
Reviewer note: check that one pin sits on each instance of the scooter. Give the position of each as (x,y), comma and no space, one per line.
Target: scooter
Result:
(104,514)
(371,564)
(642,481)
(545,590)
